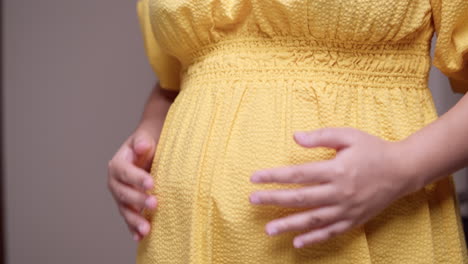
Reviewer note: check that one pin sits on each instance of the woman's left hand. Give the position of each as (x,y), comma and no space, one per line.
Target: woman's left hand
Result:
(366,175)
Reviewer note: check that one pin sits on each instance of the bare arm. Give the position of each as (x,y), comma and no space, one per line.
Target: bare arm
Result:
(128,170)
(440,148)
(155,110)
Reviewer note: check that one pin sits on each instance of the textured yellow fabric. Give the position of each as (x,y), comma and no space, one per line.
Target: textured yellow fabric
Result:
(451,54)
(250,73)
(164,65)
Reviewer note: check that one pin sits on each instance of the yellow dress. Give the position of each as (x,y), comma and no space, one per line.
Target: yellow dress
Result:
(250,73)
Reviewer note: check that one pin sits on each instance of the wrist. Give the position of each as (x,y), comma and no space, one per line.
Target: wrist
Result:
(149,126)
(407,166)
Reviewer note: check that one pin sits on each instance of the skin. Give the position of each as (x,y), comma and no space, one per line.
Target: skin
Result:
(346,193)
(343,191)
(128,171)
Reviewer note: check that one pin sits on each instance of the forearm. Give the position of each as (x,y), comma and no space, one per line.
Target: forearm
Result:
(155,110)
(439,149)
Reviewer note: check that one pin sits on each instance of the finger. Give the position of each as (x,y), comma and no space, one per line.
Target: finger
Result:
(310,196)
(135,221)
(136,236)
(315,172)
(311,219)
(129,174)
(143,145)
(129,196)
(336,138)
(322,234)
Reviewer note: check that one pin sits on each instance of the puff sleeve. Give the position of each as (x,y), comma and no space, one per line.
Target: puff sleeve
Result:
(165,66)
(450,19)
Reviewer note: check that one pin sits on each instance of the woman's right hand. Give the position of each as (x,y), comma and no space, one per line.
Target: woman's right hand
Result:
(129,179)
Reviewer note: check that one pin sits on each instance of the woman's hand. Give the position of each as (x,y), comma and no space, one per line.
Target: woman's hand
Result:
(128,180)
(363,179)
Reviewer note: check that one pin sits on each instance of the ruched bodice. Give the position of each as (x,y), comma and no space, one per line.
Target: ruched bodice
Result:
(250,73)
(388,39)
(371,65)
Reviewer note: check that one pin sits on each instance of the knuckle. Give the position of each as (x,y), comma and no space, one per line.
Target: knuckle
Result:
(121,196)
(141,181)
(323,133)
(313,222)
(299,198)
(348,192)
(124,175)
(297,176)
(339,170)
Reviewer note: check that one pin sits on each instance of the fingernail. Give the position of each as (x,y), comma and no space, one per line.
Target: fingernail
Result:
(300,135)
(271,230)
(150,202)
(257,176)
(254,199)
(143,228)
(148,184)
(298,244)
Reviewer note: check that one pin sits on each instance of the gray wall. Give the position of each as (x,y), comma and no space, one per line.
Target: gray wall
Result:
(75,81)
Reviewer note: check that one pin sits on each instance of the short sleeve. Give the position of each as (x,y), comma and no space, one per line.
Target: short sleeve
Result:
(165,66)
(450,19)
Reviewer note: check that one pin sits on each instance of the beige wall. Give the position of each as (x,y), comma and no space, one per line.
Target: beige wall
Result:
(75,81)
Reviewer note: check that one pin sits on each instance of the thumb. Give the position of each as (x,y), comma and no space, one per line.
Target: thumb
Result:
(336,138)
(143,145)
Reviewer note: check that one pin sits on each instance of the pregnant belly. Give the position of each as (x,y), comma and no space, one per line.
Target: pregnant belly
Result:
(216,135)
